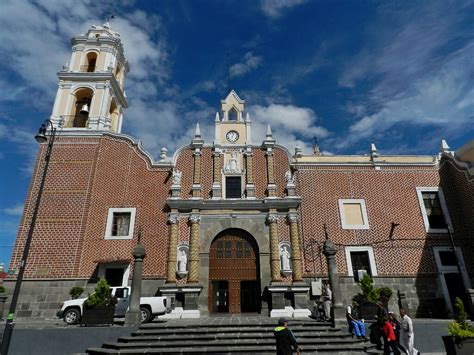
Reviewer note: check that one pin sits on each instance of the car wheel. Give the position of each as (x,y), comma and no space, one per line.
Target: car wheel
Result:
(145,314)
(72,316)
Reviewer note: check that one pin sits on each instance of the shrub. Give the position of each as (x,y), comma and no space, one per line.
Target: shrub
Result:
(460,328)
(75,292)
(2,289)
(101,295)
(370,294)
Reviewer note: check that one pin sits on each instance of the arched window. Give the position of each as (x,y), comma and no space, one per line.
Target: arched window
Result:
(91,61)
(82,108)
(233,114)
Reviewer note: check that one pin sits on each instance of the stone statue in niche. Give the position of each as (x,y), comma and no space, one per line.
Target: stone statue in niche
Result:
(289,178)
(182,261)
(232,165)
(285,258)
(176,177)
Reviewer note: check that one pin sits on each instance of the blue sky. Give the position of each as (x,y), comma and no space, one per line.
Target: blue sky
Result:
(399,74)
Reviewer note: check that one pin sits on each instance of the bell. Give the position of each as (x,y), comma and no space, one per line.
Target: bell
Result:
(85,109)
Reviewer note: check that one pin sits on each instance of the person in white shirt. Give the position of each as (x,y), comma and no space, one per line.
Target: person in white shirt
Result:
(408,334)
(327,298)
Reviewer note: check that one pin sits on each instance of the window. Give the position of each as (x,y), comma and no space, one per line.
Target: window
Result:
(120,223)
(220,249)
(360,261)
(239,252)
(233,187)
(433,209)
(228,249)
(233,115)
(116,273)
(353,214)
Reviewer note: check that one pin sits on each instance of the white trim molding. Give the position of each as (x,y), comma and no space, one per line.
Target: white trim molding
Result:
(110,218)
(363,208)
(369,250)
(444,208)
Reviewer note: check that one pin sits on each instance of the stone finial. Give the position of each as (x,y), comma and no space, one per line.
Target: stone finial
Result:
(269,131)
(316,150)
(373,151)
(247,117)
(197,134)
(443,147)
(217,119)
(163,153)
(298,151)
(66,66)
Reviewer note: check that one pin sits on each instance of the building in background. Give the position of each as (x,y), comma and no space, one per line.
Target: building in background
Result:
(233,225)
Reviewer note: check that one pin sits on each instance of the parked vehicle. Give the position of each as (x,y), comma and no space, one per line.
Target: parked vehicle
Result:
(71,311)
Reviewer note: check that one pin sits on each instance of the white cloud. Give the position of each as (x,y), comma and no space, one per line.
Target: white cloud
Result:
(249,63)
(275,8)
(291,125)
(419,73)
(16,210)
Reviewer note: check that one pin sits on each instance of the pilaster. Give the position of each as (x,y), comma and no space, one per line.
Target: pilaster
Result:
(295,247)
(193,277)
(272,220)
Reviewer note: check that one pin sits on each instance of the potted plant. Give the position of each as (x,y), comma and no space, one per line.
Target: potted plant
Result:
(99,307)
(367,299)
(461,334)
(75,292)
(3,298)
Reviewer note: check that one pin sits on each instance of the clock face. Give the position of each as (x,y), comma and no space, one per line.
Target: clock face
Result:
(232,136)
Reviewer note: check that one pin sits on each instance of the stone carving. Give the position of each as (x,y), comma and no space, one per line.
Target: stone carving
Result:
(173,218)
(292,218)
(182,261)
(272,218)
(195,218)
(290,180)
(285,258)
(232,165)
(176,177)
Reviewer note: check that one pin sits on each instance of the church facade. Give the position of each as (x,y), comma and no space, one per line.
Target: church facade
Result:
(236,224)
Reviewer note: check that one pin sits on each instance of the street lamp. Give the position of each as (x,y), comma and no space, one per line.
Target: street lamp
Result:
(40,138)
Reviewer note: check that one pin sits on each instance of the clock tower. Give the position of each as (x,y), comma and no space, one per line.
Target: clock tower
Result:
(231,128)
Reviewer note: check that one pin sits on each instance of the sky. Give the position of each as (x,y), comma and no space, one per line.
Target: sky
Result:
(398,74)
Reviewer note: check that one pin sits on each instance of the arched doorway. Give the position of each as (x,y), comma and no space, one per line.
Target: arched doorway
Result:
(234,282)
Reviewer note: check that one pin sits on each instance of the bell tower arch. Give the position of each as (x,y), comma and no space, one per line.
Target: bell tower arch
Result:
(91,91)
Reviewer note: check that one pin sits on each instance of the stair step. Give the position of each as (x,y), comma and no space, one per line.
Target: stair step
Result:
(234,343)
(265,349)
(233,329)
(178,337)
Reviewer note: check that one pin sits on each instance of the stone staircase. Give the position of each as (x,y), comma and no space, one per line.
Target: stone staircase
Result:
(232,335)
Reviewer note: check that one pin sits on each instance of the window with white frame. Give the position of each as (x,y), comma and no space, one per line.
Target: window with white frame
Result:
(120,223)
(360,260)
(353,213)
(433,209)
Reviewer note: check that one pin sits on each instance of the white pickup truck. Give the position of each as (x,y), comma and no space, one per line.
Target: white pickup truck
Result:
(150,307)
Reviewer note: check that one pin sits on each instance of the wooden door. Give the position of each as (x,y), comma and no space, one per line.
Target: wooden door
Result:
(233,259)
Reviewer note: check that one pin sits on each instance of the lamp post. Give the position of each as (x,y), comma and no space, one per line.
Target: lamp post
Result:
(40,138)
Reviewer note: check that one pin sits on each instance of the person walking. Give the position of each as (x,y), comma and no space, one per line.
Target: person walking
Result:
(327,299)
(397,327)
(285,339)
(355,323)
(408,334)
(389,338)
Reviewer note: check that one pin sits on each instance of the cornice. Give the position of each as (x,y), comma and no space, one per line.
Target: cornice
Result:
(94,77)
(235,204)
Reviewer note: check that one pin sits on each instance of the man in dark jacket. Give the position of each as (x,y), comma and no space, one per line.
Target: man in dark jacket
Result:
(285,339)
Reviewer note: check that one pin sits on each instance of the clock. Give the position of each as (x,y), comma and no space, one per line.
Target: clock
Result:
(232,136)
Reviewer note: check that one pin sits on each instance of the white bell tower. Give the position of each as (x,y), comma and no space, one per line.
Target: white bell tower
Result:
(232,128)
(91,92)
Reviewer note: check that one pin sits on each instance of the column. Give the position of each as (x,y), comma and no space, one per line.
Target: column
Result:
(193,276)
(272,220)
(338,310)
(295,247)
(216,174)
(173,220)
(270,174)
(197,174)
(250,185)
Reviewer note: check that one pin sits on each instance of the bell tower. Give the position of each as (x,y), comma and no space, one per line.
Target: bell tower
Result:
(231,128)
(91,92)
